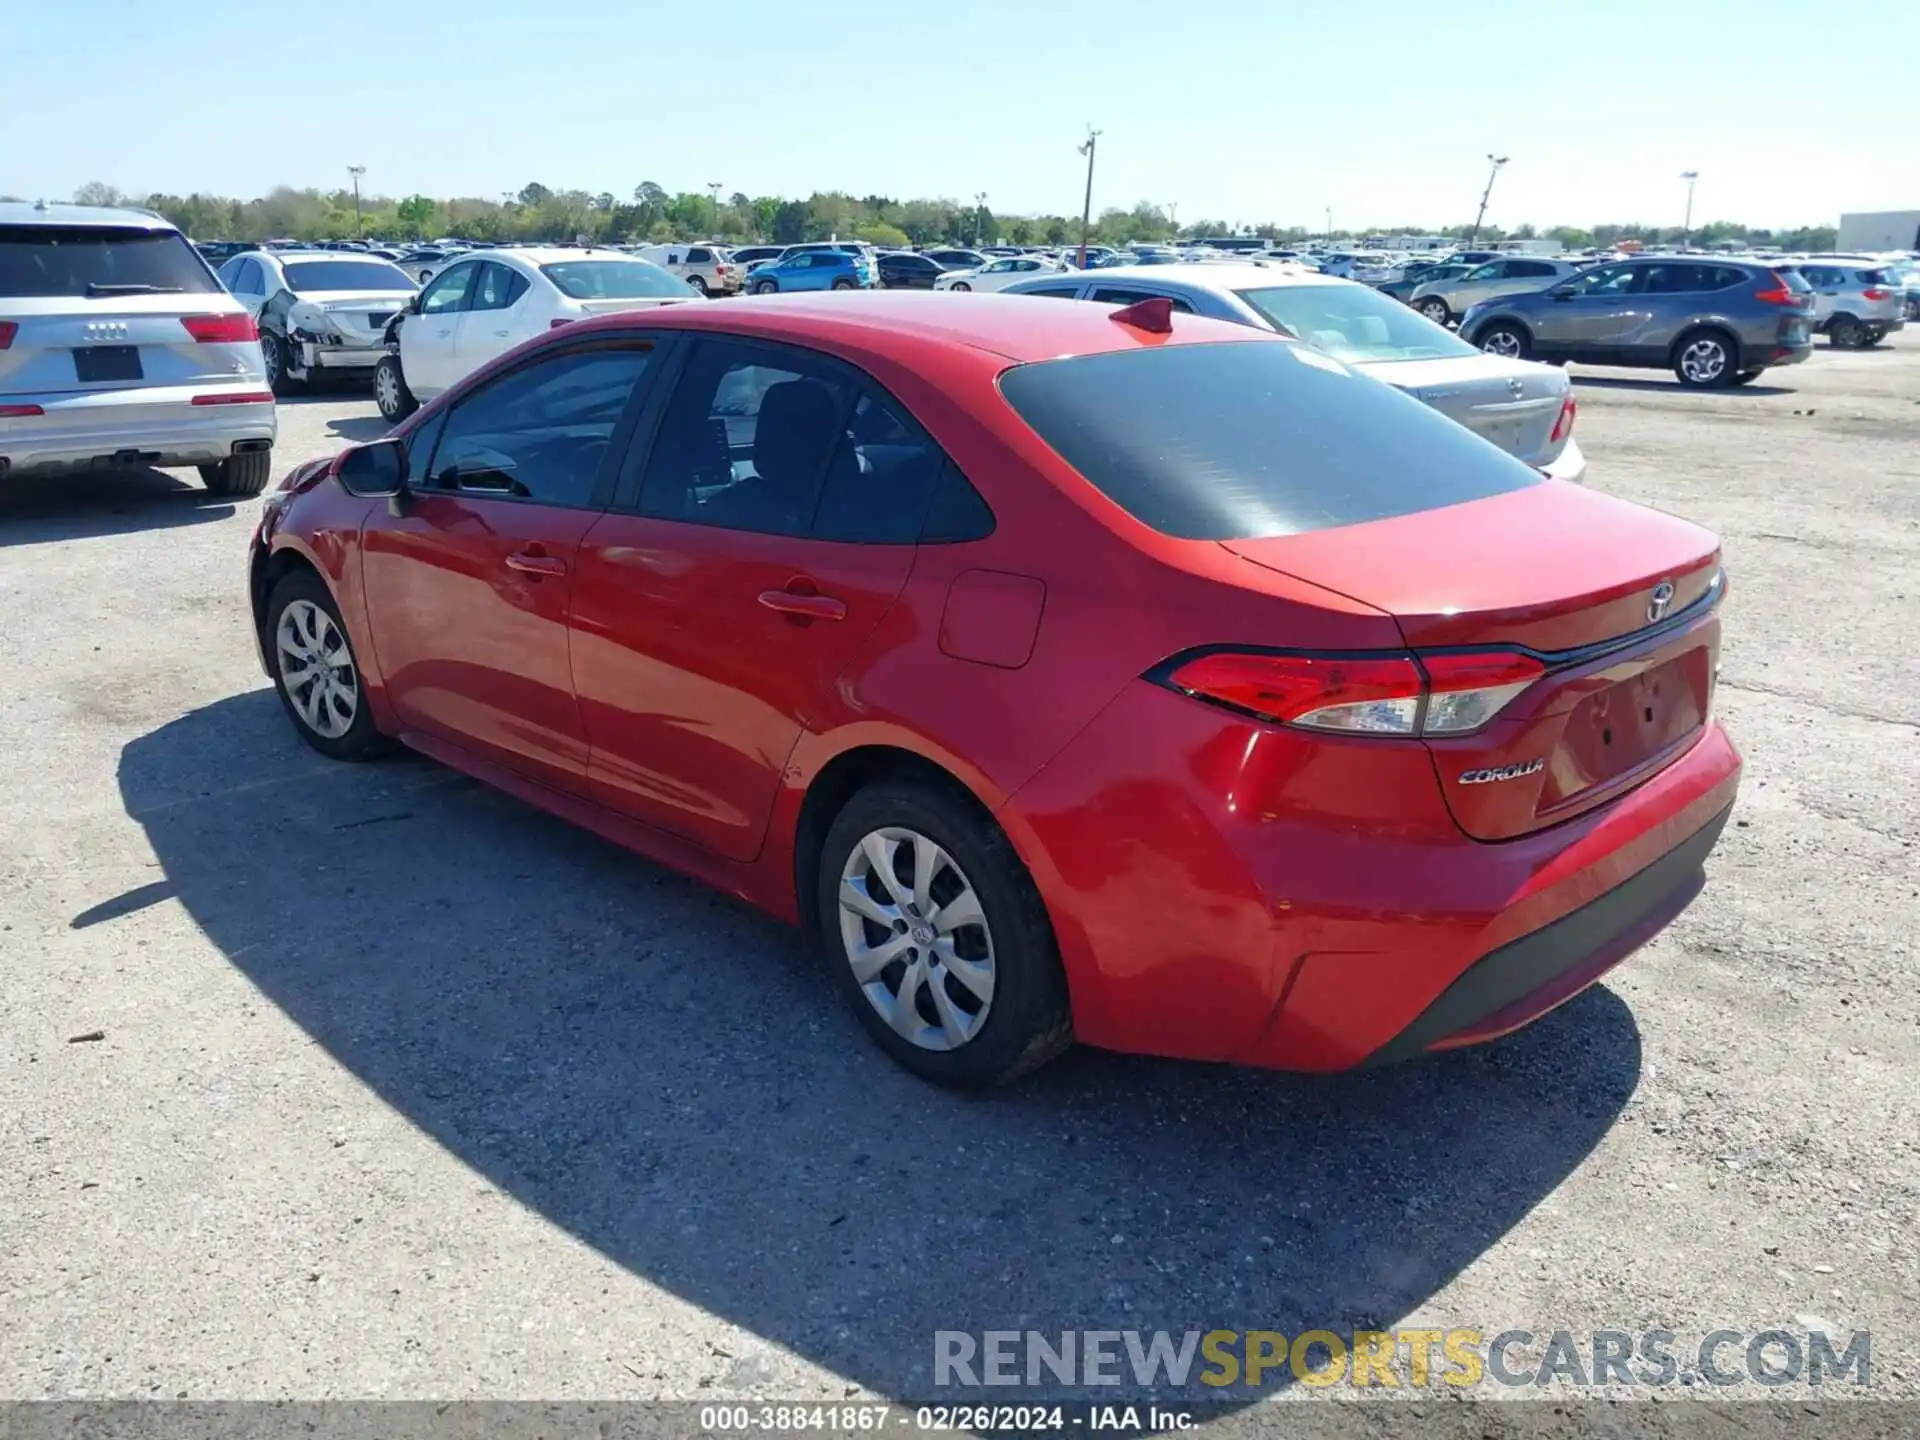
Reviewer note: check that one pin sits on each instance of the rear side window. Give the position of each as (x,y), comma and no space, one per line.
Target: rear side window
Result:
(1531,268)
(877,486)
(1231,441)
(1875,277)
(1112,296)
(89,261)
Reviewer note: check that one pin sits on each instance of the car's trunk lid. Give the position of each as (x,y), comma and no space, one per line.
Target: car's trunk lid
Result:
(62,344)
(1512,403)
(637,302)
(1617,602)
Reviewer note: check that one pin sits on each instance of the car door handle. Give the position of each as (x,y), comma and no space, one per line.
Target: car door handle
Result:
(445,333)
(530,563)
(503,334)
(804,607)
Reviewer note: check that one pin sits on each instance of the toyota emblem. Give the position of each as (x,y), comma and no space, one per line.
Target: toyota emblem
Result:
(1662,598)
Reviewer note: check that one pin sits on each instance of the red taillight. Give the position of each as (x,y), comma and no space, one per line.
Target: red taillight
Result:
(12,412)
(1876,294)
(1362,694)
(221,329)
(7,331)
(1563,427)
(1781,293)
(240,397)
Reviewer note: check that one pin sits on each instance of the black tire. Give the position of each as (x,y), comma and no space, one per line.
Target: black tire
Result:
(1875,334)
(1436,310)
(1028,1020)
(961,285)
(698,283)
(1506,331)
(1706,359)
(766,287)
(274,351)
(360,740)
(843,285)
(390,390)
(1747,377)
(1845,333)
(245,474)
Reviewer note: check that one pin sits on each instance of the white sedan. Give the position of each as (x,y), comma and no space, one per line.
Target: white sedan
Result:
(1001,273)
(487,302)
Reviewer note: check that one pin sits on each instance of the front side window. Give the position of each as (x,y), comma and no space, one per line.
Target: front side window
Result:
(305,277)
(1237,440)
(1354,323)
(90,261)
(540,432)
(1530,269)
(449,290)
(745,441)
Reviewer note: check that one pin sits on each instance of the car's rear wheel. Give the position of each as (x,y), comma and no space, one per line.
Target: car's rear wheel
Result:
(273,350)
(1747,377)
(1845,333)
(1705,360)
(765,287)
(1506,340)
(939,938)
(843,284)
(245,474)
(315,672)
(698,283)
(1875,334)
(960,285)
(1436,310)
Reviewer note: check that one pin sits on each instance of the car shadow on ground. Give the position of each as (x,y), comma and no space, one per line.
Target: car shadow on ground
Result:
(85,505)
(1672,387)
(671,1078)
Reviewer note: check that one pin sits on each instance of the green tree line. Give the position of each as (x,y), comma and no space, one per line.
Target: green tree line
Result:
(536,212)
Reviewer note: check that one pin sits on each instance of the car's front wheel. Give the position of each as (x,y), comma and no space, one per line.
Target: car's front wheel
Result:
(939,938)
(1435,309)
(1705,360)
(1506,340)
(245,474)
(390,390)
(315,672)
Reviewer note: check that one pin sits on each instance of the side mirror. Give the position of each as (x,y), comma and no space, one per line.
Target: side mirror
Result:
(1561,293)
(374,470)
(413,303)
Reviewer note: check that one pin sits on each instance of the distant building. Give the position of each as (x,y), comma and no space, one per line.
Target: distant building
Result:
(1880,230)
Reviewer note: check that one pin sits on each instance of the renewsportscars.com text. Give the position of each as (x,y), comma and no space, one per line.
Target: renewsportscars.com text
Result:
(1405,1358)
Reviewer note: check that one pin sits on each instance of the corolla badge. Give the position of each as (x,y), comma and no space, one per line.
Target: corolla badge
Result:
(1503,772)
(1662,598)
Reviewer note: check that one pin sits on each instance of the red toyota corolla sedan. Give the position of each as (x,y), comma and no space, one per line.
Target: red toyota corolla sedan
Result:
(1077,672)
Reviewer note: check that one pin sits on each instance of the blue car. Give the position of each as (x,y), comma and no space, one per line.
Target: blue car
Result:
(812,270)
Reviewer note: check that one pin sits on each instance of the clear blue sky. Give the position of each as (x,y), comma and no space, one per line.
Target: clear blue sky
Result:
(1240,110)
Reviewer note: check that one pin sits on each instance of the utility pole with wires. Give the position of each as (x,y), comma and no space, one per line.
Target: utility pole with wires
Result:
(1086,210)
(1495,161)
(1686,225)
(356,171)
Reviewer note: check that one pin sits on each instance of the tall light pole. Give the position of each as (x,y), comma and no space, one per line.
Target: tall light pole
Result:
(1086,210)
(1494,162)
(1686,225)
(980,218)
(356,171)
(1329,224)
(1173,217)
(714,186)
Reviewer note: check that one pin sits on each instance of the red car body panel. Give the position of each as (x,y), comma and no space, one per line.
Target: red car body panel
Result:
(1221,887)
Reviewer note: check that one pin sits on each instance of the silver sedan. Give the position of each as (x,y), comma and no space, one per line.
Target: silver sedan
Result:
(1524,408)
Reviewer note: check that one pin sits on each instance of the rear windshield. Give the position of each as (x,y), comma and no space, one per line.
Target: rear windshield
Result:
(613,280)
(1354,323)
(307,276)
(1229,441)
(44,261)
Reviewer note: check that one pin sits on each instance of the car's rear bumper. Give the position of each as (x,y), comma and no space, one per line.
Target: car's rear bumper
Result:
(1769,355)
(159,425)
(1570,464)
(1222,889)
(320,355)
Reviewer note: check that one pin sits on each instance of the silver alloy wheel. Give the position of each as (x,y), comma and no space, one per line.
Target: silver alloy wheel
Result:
(270,353)
(1503,343)
(386,390)
(317,669)
(917,938)
(1434,310)
(1703,361)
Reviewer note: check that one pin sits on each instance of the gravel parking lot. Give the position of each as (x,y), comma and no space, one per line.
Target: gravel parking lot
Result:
(324,1081)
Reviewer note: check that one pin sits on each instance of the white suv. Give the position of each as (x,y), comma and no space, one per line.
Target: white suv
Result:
(118,347)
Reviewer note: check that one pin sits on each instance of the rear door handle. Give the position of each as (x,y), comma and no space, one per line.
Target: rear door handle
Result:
(804,607)
(531,564)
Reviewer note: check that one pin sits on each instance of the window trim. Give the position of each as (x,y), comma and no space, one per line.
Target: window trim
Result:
(617,441)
